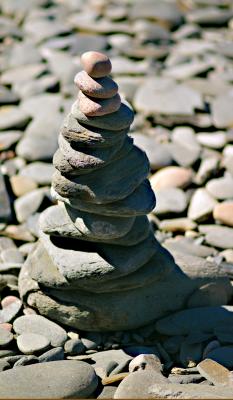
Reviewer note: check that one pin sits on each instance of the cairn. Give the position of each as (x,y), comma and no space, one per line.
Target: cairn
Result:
(97,265)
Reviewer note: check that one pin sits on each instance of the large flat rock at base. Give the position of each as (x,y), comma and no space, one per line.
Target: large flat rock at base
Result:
(52,380)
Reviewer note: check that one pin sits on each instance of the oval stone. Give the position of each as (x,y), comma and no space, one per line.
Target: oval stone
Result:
(98,107)
(96,64)
(102,88)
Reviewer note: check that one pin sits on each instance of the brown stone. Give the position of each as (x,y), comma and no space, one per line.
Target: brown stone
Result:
(215,373)
(96,107)
(114,378)
(171,177)
(102,88)
(96,64)
(223,212)
(22,184)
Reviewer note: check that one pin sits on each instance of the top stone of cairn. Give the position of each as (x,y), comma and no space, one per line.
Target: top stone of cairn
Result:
(96,65)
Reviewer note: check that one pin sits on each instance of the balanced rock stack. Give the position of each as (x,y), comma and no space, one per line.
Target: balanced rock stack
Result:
(97,265)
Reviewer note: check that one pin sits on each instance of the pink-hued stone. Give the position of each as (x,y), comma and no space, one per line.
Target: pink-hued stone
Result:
(96,64)
(8,300)
(102,88)
(6,326)
(223,212)
(96,107)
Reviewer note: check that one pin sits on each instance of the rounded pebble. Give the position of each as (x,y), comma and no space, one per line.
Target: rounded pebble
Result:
(29,343)
(96,64)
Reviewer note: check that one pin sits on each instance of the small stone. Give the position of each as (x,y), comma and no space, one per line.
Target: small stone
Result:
(12,256)
(5,337)
(29,203)
(102,88)
(223,212)
(177,225)
(96,64)
(219,236)
(59,379)
(107,392)
(221,110)
(114,378)
(13,117)
(145,361)
(11,305)
(5,210)
(170,200)
(74,347)
(215,373)
(98,107)
(26,360)
(207,167)
(171,177)
(29,343)
(22,185)
(39,172)
(42,326)
(55,354)
(214,140)
(201,205)
(221,188)
(8,139)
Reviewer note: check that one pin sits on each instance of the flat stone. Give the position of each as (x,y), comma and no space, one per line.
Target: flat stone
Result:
(97,137)
(177,225)
(29,203)
(63,379)
(187,70)
(8,139)
(55,354)
(223,356)
(103,358)
(74,347)
(201,205)
(156,96)
(116,121)
(102,88)
(96,64)
(186,321)
(98,107)
(39,172)
(214,140)
(184,148)
(207,167)
(209,16)
(185,379)
(12,255)
(107,392)
(221,188)
(221,110)
(170,200)
(22,73)
(219,236)
(10,308)
(42,326)
(6,337)
(13,117)
(22,185)
(215,372)
(223,212)
(136,385)
(171,177)
(29,343)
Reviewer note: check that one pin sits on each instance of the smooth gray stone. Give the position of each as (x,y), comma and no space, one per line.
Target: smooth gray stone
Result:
(5,209)
(60,379)
(218,236)
(40,172)
(88,159)
(116,121)
(105,359)
(40,325)
(76,133)
(55,354)
(120,179)
(203,318)
(185,379)
(107,392)
(29,203)
(138,384)
(5,337)
(13,117)
(74,347)
(29,343)
(66,221)
(8,138)
(10,311)
(140,202)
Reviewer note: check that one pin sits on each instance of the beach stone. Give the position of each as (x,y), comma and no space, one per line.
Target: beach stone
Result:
(103,358)
(207,167)
(171,177)
(223,212)
(101,88)
(185,379)
(29,203)
(12,255)
(201,205)
(136,385)
(170,200)
(157,153)
(96,64)
(145,362)
(22,185)
(11,306)
(219,236)
(222,355)
(98,107)
(55,354)
(184,148)
(29,343)
(40,325)
(13,117)
(64,379)
(214,140)
(221,110)
(177,225)
(39,172)
(116,121)
(215,372)
(107,392)
(6,337)
(74,347)
(221,188)
(5,210)
(9,138)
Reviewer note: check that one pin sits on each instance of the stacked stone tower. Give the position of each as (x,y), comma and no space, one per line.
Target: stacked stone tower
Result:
(97,265)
